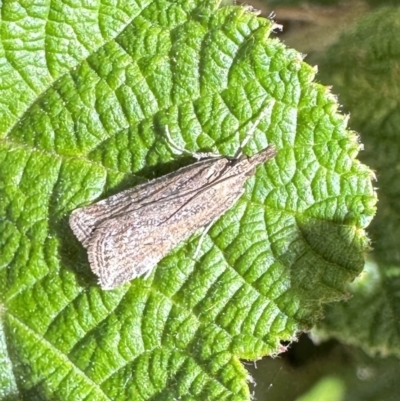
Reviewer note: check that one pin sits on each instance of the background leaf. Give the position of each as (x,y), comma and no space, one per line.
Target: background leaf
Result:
(330,370)
(368,65)
(86,120)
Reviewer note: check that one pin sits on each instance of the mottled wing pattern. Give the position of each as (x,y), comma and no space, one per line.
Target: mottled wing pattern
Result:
(129,233)
(129,246)
(84,220)
(120,251)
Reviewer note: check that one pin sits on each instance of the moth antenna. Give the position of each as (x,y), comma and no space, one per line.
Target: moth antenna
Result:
(199,155)
(173,145)
(251,131)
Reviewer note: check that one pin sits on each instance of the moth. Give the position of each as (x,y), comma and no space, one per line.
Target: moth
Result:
(127,234)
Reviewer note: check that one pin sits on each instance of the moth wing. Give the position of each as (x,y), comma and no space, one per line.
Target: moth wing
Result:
(83,221)
(120,251)
(82,224)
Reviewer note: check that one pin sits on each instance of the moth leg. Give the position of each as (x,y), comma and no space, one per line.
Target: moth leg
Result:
(147,274)
(179,150)
(251,131)
(203,234)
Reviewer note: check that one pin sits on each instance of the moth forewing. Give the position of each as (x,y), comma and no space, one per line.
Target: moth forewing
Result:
(128,233)
(84,220)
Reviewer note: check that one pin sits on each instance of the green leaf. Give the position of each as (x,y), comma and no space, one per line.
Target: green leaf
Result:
(328,389)
(86,120)
(364,69)
(370,318)
(328,371)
